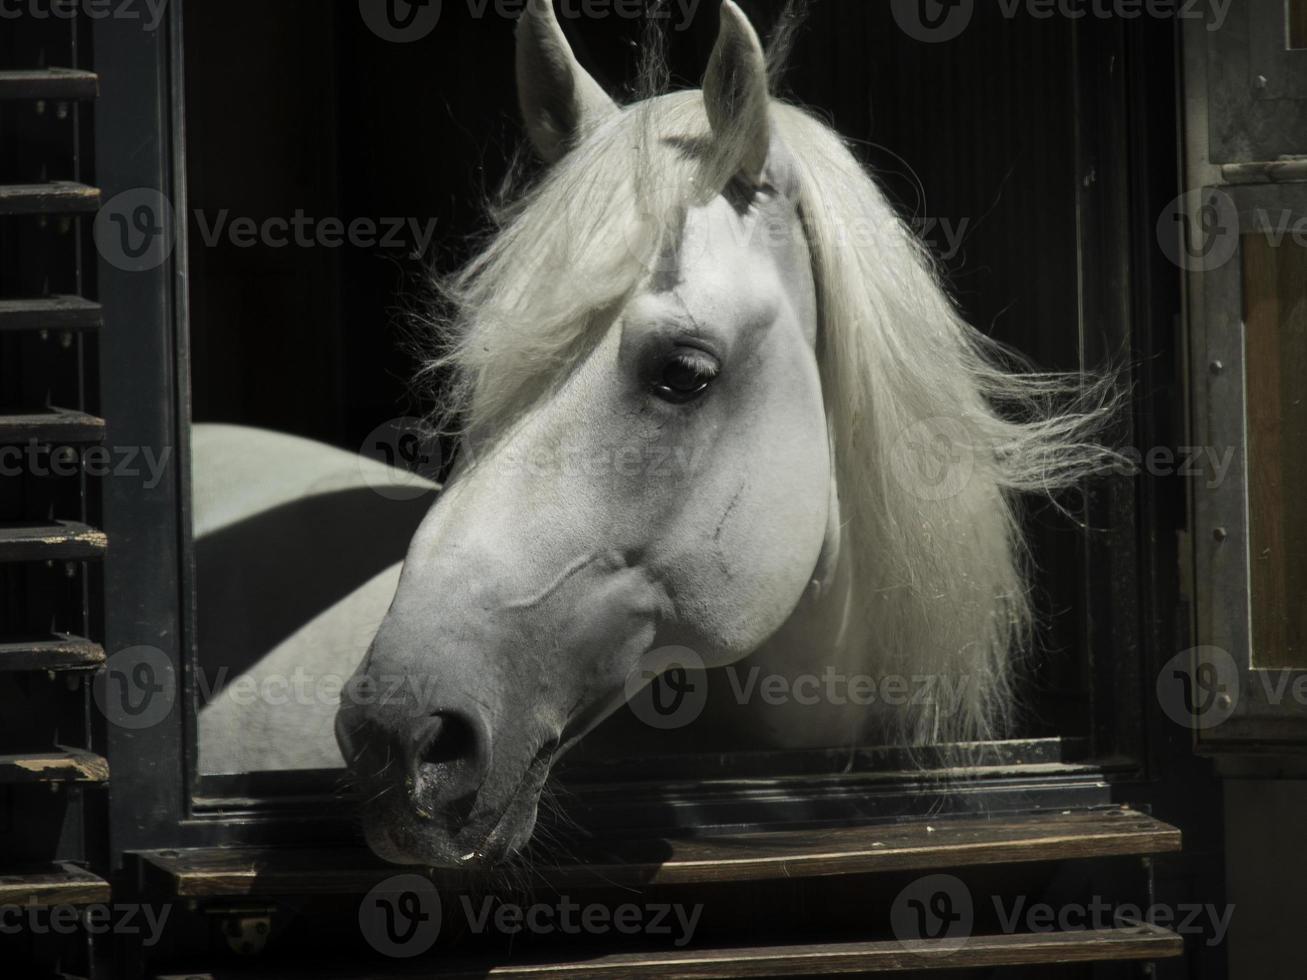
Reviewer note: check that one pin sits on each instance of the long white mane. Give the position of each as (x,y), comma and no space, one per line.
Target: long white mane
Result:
(938,576)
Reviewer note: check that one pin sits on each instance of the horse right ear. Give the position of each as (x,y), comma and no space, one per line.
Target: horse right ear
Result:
(560,101)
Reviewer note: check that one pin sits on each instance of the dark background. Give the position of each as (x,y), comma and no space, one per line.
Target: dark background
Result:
(312,111)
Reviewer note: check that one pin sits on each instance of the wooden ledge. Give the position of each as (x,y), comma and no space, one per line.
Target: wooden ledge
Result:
(50,313)
(57,653)
(63,884)
(911,846)
(817,959)
(61,541)
(65,766)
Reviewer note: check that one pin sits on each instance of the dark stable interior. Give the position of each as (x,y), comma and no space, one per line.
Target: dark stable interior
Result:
(310,340)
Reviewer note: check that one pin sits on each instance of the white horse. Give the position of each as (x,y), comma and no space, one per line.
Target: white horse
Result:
(710,281)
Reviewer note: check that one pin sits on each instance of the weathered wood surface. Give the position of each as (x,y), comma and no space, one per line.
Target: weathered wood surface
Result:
(62,884)
(50,313)
(60,653)
(817,959)
(61,541)
(48,83)
(55,197)
(64,766)
(911,846)
(56,426)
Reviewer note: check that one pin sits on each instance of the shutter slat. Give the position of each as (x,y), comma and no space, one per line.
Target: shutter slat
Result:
(61,653)
(57,426)
(49,83)
(50,313)
(55,197)
(1143,942)
(64,766)
(61,541)
(60,884)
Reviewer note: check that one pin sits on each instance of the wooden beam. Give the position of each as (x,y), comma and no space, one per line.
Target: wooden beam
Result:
(912,846)
(817,959)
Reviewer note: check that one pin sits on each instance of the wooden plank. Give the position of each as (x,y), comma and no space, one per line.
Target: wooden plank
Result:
(62,884)
(61,541)
(61,653)
(910,846)
(55,197)
(58,426)
(65,766)
(1142,942)
(72,313)
(48,83)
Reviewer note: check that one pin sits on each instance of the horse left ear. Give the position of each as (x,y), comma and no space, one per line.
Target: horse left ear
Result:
(736,97)
(560,100)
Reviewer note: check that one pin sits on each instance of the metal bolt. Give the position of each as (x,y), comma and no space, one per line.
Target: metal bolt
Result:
(1261,82)
(61,111)
(1220,534)
(1217,367)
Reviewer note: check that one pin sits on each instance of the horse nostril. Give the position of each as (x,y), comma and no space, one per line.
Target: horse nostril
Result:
(448,756)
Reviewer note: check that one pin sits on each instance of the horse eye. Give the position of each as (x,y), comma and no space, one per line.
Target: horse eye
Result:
(685,376)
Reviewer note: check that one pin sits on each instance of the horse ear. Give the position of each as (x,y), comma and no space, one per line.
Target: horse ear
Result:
(560,100)
(735,94)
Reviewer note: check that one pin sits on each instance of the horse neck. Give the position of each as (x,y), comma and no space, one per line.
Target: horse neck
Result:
(820,639)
